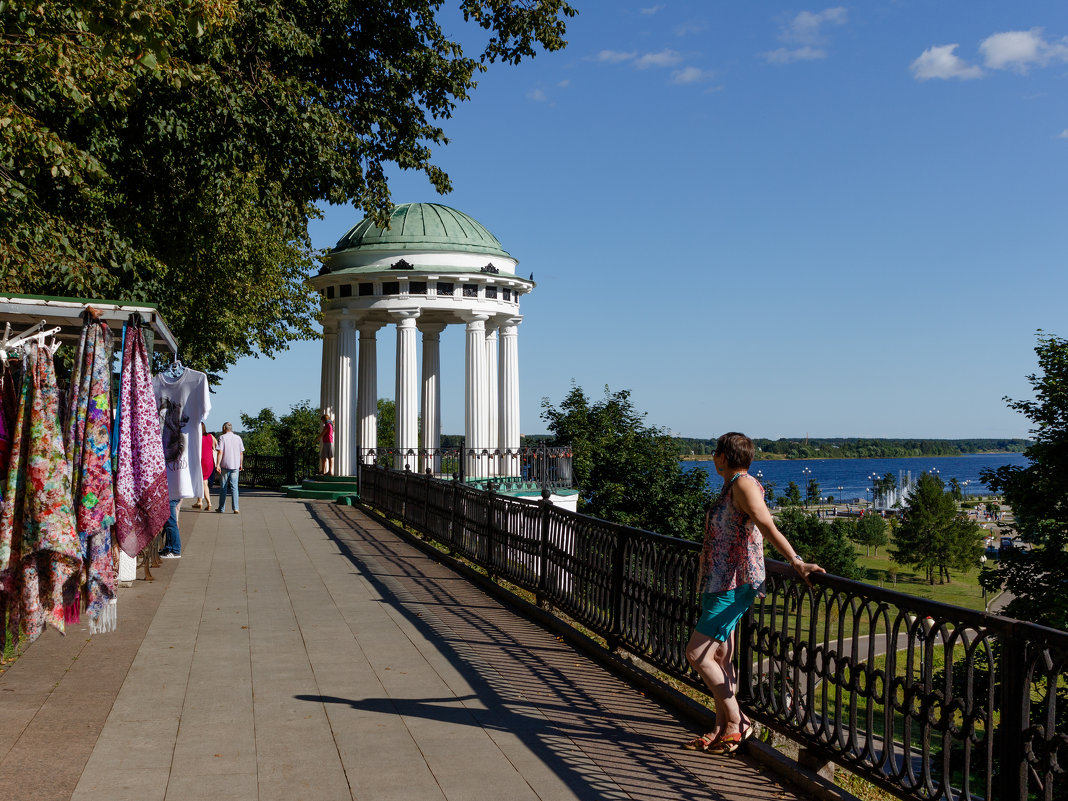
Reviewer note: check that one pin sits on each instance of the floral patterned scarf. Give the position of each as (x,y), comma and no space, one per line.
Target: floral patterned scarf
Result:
(142,503)
(89,453)
(39,548)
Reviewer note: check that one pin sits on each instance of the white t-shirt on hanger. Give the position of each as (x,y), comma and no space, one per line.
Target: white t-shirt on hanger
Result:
(183,403)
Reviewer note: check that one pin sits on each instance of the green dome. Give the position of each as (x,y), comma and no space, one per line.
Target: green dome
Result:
(423,226)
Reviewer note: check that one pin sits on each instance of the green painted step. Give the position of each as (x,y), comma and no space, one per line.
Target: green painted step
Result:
(332,488)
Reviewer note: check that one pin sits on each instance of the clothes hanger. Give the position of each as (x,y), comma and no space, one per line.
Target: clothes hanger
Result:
(176,368)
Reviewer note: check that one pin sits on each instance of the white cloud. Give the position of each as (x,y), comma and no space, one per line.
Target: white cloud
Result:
(806,32)
(537,95)
(665,58)
(652,9)
(687,28)
(807,27)
(942,62)
(1063,134)
(1020,50)
(564,82)
(786,56)
(692,75)
(614,56)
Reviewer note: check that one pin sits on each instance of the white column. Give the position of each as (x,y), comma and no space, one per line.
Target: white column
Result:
(345,414)
(367,393)
(491,396)
(328,379)
(475,395)
(407,391)
(508,394)
(430,440)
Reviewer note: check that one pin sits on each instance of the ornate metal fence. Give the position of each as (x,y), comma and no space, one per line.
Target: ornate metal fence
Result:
(275,471)
(926,700)
(522,468)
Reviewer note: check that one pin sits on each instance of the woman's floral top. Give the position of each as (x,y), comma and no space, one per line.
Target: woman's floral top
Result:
(732,554)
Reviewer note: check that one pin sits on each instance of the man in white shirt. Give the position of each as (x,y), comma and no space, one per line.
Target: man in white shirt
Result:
(231,460)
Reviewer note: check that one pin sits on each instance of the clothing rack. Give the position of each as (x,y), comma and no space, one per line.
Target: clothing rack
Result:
(67,313)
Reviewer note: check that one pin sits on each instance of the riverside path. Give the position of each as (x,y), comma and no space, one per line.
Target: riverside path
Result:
(301,650)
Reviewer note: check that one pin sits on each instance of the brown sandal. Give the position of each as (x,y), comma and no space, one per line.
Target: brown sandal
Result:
(701,743)
(726,744)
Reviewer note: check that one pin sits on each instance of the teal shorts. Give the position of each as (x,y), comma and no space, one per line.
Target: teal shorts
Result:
(721,611)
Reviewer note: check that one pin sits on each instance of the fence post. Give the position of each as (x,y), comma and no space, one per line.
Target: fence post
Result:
(291,467)
(404,502)
(615,622)
(543,548)
(493,557)
(1015,702)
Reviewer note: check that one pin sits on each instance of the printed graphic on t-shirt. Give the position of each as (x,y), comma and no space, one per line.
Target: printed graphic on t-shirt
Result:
(171,422)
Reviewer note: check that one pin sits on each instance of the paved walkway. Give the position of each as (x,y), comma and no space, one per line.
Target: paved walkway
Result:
(302,651)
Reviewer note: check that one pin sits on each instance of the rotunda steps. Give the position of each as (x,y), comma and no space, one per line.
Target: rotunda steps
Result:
(342,489)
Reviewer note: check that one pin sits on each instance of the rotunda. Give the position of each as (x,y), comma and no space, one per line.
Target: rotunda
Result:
(432,267)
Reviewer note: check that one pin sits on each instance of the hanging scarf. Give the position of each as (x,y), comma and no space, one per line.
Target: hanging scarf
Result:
(38,544)
(89,453)
(142,503)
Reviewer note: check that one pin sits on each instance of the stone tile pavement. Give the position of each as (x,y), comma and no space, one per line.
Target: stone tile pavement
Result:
(301,650)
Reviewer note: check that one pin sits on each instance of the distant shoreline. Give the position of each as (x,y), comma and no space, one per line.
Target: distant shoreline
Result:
(782,457)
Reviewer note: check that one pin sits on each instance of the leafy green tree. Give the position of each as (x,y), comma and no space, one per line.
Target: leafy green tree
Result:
(299,430)
(1038,495)
(812,491)
(792,496)
(871,532)
(827,544)
(769,493)
(956,489)
(627,471)
(175,152)
(932,536)
(295,433)
(260,433)
(387,423)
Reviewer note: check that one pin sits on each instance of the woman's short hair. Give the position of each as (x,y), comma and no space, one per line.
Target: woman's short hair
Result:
(737,449)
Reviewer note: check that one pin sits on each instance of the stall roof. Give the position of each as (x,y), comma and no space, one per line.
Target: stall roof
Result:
(30,309)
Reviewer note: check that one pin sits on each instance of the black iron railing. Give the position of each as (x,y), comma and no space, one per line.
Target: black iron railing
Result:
(276,471)
(926,700)
(509,469)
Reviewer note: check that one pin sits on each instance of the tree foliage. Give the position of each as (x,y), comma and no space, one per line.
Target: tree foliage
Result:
(173,151)
(792,496)
(1038,495)
(827,544)
(870,530)
(295,433)
(933,536)
(626,471)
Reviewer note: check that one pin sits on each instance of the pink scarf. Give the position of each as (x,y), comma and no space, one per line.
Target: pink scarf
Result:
(142,503)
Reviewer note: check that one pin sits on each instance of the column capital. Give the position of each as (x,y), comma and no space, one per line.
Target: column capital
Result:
(404,317)
(474,317)
(509,320)
(430,330)
(368,329)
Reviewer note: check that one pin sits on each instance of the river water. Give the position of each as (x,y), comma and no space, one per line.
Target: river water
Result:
(849,478)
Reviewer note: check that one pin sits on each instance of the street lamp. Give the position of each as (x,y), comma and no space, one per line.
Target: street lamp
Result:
(873,478)
(806,473)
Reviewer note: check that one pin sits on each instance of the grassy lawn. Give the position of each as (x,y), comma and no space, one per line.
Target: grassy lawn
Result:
(963,590)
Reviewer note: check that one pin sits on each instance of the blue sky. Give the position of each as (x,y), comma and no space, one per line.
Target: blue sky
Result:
(769,217)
